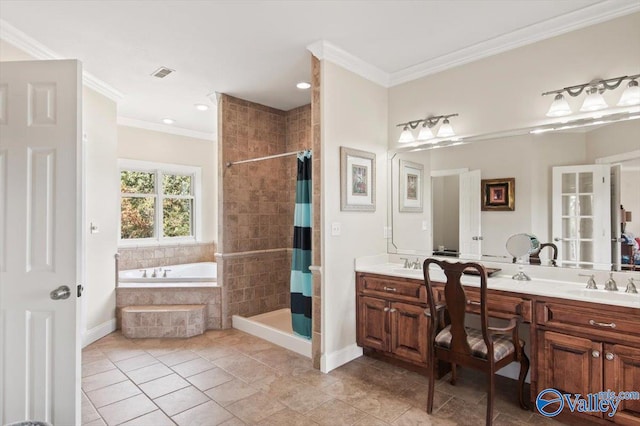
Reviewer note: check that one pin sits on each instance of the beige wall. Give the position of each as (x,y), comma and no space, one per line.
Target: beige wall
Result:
(630,198)
(354,115)
(503,92)
(149,145)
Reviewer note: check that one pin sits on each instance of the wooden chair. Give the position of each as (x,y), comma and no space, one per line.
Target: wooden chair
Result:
(469,347)
(534,258)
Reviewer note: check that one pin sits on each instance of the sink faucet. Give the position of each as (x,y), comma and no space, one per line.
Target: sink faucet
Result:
(155,272)
(610,284)
(144,273)
(407,264)
(631,287)
(417,264)
(591,284)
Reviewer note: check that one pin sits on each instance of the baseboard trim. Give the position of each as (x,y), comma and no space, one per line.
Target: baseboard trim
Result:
(335,359)
(98,332)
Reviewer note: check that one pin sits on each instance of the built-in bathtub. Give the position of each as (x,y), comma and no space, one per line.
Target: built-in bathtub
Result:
(202,274)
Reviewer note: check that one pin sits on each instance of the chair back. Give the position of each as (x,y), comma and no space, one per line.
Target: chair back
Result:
(534,258)
(456,302)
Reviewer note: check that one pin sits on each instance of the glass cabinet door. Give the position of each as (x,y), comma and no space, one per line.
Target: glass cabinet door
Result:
(581,216)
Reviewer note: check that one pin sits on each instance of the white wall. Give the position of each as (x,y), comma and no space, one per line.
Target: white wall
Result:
(148,145)
(354,115)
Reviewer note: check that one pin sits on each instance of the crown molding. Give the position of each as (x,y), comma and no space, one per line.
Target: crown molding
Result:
(323,50)
(590,15)
(164,128)
(39,51)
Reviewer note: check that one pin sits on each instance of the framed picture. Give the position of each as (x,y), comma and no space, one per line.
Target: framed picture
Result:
(410,186)
(499,194)
(357,180)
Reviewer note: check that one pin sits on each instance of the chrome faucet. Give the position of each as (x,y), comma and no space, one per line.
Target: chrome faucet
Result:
(164,273)
(591,284)
(610,284)
(407,264)
(417,264)
(144,273)
(155,272)
(631,287)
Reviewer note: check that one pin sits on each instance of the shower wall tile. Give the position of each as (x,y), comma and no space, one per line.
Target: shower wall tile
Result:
(155,256)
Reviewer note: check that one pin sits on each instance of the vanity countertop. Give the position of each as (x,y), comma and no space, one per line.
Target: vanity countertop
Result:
(537,286)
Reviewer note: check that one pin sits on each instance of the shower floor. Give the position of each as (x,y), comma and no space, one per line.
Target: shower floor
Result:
(275,327)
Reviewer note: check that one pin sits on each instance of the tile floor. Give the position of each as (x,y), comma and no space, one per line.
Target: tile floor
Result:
(231,378)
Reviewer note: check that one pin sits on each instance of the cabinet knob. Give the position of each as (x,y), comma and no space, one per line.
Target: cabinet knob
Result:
(389,288)
(609,356)
(386,309)
(392,310)
(595,354)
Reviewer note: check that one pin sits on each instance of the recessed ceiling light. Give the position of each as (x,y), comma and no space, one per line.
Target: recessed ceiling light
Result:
(168,120)
(202,107)
(303,85)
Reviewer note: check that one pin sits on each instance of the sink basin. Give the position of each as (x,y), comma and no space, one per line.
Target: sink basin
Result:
(412,272)
(603,295)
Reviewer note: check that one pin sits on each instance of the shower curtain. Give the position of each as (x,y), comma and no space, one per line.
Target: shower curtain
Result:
(301,258)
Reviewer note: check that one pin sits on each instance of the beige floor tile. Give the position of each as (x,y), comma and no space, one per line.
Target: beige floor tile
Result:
(234,421)
(506,420)
(177,357)
(180,400)
(91,354)
(416,416)
(114,393)
(163,385)
(148,373)
(136,362)
(255,408)
(96,422)
(462,413)
(370,421)
(195,366)
(101,380)
(88,411)
(507,404)
(207,414)
(231,391)
(380,404)
(418,395)
(210,378)
(335,412)
(249,345)
(303,399)
(127,409)
(121,353)
(245,368)
(287,417)
(95,367)
(154,418)
(215,352)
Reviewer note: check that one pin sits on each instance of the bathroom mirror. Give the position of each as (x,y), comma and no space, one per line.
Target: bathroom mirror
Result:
(530,159)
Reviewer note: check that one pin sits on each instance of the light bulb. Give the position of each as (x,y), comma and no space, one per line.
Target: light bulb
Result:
(425,133)
(406,136)
(631,95)
(559,107)
(445,130)
(594,101)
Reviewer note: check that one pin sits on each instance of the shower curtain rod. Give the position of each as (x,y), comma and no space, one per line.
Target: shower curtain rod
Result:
(268,157)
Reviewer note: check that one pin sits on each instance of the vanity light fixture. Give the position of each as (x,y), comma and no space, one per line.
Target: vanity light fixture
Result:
(594,90)
(425,134)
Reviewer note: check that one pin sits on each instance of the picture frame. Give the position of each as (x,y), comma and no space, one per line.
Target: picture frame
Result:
(498,194)
(357,180)
(411,181)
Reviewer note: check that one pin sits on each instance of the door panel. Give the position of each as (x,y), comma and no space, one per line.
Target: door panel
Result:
(622,373)
(373,327)
(409,328)
(41,240)
(470,202)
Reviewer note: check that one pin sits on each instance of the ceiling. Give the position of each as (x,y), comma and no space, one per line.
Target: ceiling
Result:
(257,50)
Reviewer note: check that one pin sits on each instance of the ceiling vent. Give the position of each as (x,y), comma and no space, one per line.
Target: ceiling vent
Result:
(162,72)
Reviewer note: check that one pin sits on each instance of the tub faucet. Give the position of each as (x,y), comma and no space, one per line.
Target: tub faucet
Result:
(631,287)
(610,284)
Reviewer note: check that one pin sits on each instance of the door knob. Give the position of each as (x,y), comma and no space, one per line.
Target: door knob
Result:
(62,292)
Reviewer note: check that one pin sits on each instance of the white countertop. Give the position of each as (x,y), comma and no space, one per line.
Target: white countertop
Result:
(537,286)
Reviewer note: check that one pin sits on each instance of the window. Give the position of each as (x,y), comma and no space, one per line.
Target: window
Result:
(158,202)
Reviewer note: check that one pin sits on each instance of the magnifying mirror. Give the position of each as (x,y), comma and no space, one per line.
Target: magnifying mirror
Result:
(520,246)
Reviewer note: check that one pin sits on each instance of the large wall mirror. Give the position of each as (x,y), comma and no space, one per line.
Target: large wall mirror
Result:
(575,189)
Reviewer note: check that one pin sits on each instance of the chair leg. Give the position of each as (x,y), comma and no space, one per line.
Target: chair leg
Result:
(490,392)
(524,368)
(454,374)
(432,383)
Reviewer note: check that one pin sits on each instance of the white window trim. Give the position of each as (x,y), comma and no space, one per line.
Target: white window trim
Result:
(166,168)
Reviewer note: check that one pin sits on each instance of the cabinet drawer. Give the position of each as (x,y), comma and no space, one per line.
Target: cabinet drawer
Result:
(392,288)
(500,306)
(578,318)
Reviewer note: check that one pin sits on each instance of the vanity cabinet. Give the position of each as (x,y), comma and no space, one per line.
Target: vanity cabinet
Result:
(588,348)
(390,317)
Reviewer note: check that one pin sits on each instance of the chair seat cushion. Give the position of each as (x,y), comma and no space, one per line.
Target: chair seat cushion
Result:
(502,345)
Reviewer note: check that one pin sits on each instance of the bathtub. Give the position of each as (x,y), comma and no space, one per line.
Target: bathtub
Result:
(202,274)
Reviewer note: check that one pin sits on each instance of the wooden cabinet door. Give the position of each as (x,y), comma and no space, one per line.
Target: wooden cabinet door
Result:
(622,373)
(409,327)
(373,327)
(570,364)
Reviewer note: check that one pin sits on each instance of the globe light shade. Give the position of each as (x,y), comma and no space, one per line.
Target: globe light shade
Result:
(406,136)
(594,101)
(559,107)
(425,133)
(631,95)
(445,130)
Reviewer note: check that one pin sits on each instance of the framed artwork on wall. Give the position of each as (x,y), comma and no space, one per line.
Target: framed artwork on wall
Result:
(357,180)
(410,186)
(499,194)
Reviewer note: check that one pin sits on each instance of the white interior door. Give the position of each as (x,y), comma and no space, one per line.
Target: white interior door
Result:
(470,224)
(616,218)
(40,240)
(581,222)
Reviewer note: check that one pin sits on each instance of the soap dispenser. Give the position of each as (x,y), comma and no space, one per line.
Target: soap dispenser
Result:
(610,284)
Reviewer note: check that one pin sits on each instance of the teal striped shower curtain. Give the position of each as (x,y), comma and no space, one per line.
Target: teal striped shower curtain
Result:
(301,258)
